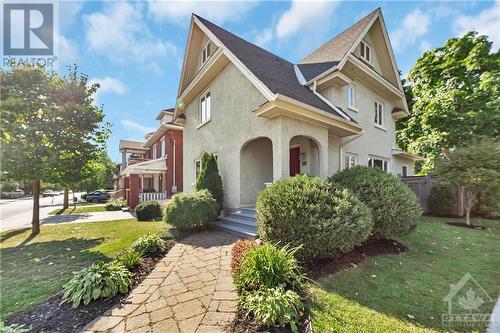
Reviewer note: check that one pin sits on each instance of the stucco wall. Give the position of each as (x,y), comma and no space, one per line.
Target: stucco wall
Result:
(256,165)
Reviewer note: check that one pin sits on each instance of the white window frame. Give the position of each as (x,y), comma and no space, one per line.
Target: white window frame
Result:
(366,56)
(384,161)
(351,102)
(163,147)
(378,108)
(350,160)
(205,113)
(205,53)
(155,151)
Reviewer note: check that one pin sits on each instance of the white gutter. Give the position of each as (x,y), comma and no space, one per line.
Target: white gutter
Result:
(342,144)
(346,117)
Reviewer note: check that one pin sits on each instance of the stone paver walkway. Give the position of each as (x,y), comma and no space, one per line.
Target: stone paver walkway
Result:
(190,290)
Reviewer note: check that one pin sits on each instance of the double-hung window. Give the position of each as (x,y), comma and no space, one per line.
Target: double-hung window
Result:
(163,147)
(365,51)
(379,163)
(350,160)
(205,53)
(379,113)
(351,96)
(155,151)
(205,110)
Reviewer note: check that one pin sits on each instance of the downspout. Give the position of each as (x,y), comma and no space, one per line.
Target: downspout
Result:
(342,144)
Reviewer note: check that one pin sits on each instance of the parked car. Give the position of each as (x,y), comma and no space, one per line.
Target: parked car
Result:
(96,196)
(16,194)
(49,193)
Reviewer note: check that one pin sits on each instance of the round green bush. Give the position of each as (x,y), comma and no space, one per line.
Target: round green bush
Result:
(149,243)
(394,206)
(309,211)
(117,204)
(441,200)
(189,210)
(148,210)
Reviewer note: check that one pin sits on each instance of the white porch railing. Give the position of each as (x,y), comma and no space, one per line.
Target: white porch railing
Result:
(158,196)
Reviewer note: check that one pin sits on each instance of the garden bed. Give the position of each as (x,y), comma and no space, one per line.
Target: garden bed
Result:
(52,316)
(244,324)
(370,248)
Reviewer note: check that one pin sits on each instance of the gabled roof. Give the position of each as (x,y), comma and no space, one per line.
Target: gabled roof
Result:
(277,74)
(163,112)
(130,144)
(336,48)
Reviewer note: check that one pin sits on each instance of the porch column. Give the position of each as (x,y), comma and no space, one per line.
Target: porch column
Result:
(281,157)
(323,159)
(124,159)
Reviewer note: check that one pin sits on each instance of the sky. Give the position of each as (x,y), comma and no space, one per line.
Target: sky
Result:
(135,49)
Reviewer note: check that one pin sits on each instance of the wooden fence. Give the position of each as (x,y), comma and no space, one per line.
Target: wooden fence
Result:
(421,185)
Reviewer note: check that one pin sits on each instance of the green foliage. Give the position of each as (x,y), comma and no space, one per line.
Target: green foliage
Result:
(454,93)
(99,174)
(273,307)
(130,259)
(116,204)
(268,266)
(148,210)
(98,280)
(441,200)
(311,212)
(210,179)
(474,168)
(149,243)
(395,207)
(12,328)
(189,210)
(488,204)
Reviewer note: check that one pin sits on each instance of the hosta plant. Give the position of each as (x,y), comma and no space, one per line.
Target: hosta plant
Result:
(273,307)
(98,280)
(130,259)
(149,243)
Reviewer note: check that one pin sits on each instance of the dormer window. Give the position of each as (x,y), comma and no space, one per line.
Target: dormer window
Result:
(365,51)
(205,53)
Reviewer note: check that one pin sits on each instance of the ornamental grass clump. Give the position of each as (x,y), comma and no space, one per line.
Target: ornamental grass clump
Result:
(98,280)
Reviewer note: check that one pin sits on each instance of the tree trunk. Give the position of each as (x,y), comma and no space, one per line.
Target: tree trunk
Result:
(467,215)
(66,198)
(35,222)
(468,203)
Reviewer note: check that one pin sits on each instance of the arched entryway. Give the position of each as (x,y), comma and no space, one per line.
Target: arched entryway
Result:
(256,169)
(304,156)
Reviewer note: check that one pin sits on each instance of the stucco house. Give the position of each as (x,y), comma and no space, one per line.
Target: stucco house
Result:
(266,118)
(152,170)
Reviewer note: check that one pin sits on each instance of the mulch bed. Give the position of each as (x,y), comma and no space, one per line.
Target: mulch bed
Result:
(370,248)
(243,324)
(52,316)
(463,225)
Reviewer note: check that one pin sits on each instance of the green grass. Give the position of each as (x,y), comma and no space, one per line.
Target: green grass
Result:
(35,268)
(79,210)
(404,293)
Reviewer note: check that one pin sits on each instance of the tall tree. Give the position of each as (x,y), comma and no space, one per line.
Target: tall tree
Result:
(473,169)
(41,115)
(453,92)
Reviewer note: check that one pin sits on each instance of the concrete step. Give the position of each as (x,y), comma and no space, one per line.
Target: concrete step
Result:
(249,210)
(236,229)
(235,219)
(244,215)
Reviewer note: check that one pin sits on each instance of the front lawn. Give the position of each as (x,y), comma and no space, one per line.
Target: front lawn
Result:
(35,268)
(79,210)
(404,293)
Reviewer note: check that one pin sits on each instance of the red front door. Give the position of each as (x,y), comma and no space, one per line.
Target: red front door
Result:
(294,161)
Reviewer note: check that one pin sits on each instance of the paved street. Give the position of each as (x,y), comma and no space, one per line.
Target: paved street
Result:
(16,213)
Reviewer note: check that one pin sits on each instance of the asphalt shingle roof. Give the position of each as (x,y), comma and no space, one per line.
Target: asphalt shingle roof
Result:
(276,73)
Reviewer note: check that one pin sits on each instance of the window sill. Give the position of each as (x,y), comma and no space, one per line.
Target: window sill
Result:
(380,127)
(352,108)
(203,124)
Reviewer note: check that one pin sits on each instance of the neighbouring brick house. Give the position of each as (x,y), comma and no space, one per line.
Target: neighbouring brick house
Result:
(152,170)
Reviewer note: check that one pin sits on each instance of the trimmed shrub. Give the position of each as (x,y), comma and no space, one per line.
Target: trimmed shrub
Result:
(309,211)
(189,210)
(441,200)
(395,207)
(116,204)
(238,251)
(268,267)
(488,204)
(149,243)
(148,210)
(98,280)
(273,307)
(210,179)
